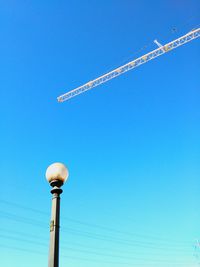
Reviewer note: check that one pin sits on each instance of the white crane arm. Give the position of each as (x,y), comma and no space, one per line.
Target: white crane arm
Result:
(131,65)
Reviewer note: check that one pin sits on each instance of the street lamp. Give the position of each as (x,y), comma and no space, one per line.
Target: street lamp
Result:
(56,174)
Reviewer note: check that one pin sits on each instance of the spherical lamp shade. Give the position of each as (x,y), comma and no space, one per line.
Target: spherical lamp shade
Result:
(57,171)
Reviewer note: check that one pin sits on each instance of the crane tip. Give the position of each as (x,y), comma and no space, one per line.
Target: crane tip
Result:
(59,99)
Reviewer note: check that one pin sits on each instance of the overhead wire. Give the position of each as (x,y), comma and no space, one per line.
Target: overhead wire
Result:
(3,246)
(86,252)
(86,234)
(92,235)
(71,230)
(113,250)
(108,229)
(124,242)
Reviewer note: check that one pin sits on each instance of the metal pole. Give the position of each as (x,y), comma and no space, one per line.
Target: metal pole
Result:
(55,224)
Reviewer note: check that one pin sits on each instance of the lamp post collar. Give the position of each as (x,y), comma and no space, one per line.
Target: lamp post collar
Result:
(56,184)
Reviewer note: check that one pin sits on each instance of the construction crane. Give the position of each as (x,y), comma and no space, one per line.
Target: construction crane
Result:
(162,49)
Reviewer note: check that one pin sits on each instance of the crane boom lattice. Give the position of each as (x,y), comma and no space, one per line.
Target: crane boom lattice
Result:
(131,65)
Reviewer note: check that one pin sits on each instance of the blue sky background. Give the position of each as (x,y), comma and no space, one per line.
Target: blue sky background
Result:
(131,145)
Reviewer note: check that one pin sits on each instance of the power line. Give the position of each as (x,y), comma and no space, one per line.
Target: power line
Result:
(22,234)
(89,252)
(95,225)
(17,218)
(23,249)
(74,258)
(112,240)
(23,240)
(90,235)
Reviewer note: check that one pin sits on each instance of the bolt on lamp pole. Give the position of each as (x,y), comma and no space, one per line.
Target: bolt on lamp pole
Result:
(56,174)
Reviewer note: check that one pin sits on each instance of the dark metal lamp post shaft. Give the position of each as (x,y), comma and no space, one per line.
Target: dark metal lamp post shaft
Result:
(55,224)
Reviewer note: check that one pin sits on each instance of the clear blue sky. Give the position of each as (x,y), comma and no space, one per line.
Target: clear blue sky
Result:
(131,145)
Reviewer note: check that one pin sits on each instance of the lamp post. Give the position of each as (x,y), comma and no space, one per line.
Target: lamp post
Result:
(56,174)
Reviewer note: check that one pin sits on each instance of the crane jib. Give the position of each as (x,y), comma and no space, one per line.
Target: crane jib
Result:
(131,65)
